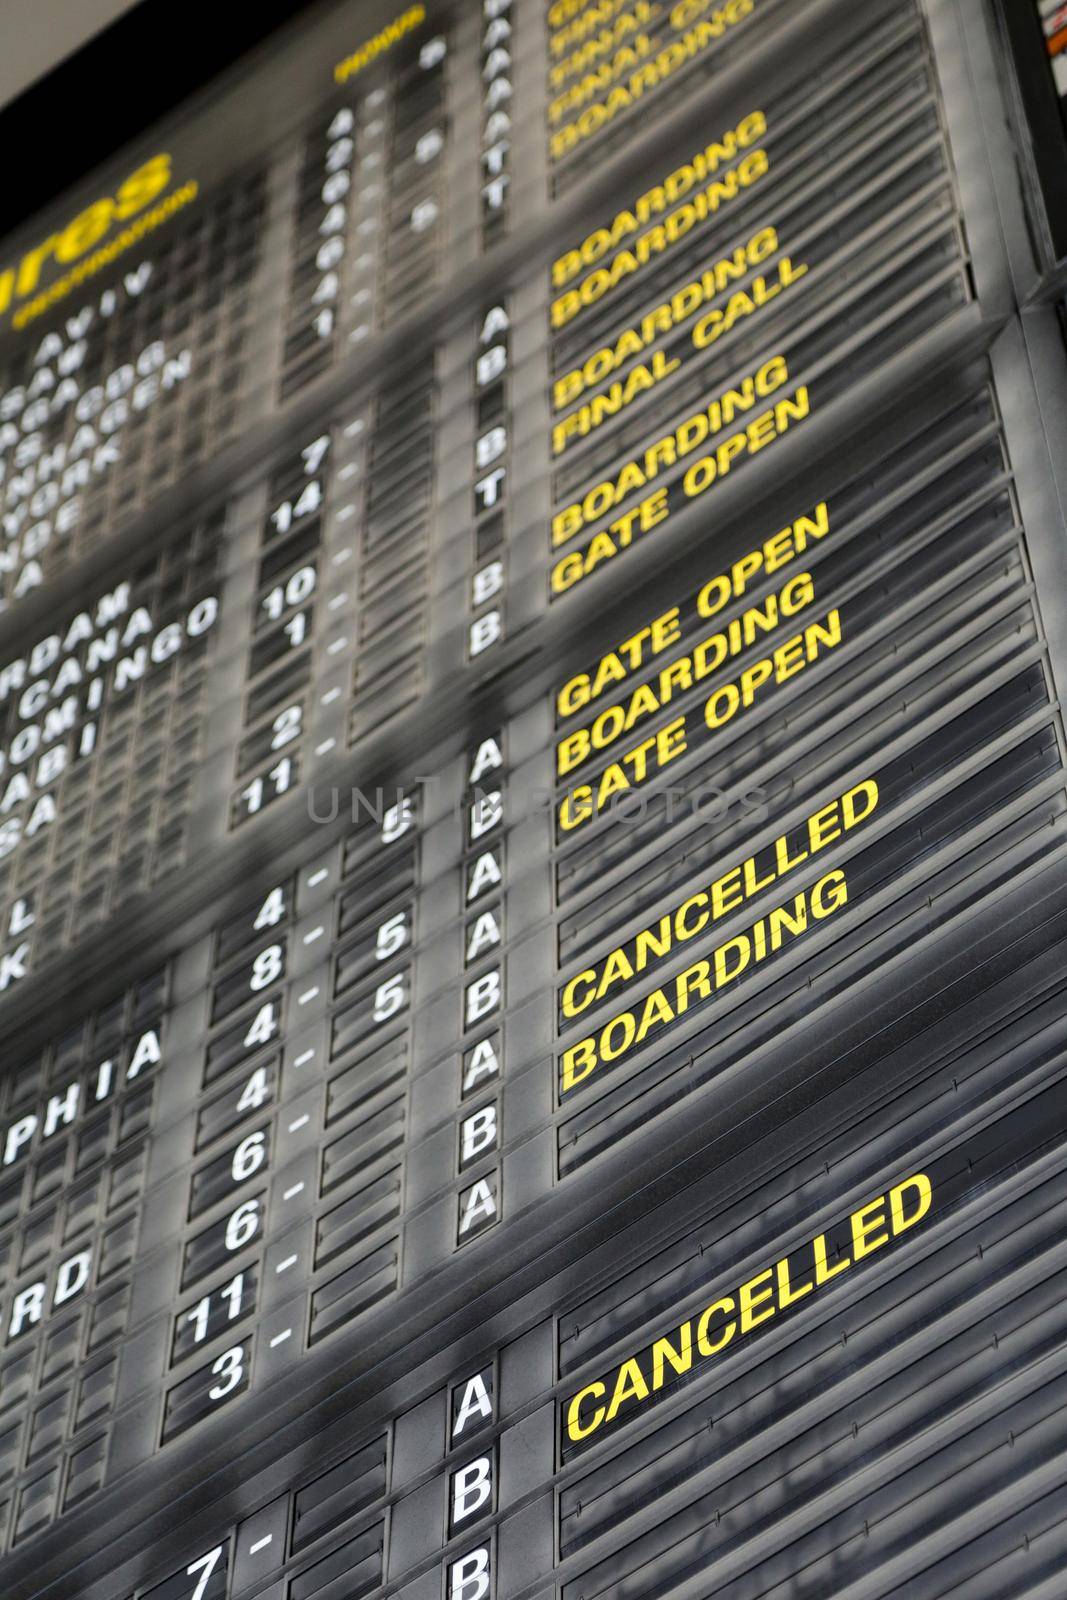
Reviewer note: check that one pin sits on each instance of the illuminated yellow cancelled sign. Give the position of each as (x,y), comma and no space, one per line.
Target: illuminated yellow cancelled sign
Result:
(623,1393)
(709,903)
(658,1012)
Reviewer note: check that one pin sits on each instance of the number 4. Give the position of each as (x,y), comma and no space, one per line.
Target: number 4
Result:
(264,1026)
(205,1565)
(255,1091)
(272,910)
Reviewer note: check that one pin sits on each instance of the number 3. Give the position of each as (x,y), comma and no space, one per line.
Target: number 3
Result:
(230,1367)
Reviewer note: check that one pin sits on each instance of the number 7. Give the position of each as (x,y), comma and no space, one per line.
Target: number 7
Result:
(208,1563)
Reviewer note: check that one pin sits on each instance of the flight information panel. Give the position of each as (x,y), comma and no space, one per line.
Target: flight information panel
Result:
(745,289)
(105,724)
(533,827)
(134,386)
(832,1302)
(607,66)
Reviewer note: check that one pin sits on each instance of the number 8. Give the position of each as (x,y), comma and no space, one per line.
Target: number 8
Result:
(266,967)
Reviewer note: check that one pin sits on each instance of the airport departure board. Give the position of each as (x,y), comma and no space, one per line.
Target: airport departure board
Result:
(533,821)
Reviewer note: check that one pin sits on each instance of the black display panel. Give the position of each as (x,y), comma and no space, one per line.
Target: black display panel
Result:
(533,825)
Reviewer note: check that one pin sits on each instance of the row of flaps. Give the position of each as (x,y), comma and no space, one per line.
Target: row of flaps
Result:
(848,1367)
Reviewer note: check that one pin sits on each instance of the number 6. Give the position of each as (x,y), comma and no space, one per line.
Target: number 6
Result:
(242,1224)
(249,1156)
